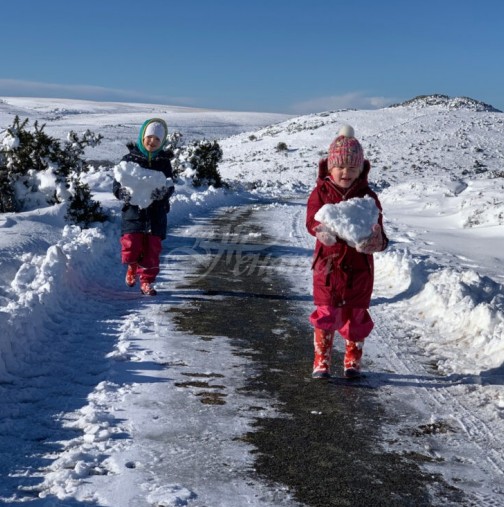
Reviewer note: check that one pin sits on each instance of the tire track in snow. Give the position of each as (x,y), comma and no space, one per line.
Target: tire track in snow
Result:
(469,458)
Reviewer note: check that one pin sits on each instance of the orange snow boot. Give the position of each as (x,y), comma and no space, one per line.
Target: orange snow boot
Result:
(353,354)
(131,275)
(323,343)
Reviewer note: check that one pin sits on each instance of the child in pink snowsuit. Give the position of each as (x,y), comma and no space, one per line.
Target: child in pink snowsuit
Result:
(343,276)
(143,229)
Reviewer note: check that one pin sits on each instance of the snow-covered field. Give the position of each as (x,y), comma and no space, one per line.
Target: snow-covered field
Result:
(91,411)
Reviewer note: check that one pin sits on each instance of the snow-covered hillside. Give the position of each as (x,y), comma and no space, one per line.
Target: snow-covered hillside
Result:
(439,172)
(118,123)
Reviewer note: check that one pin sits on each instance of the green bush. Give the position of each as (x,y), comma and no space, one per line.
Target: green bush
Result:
(82,209)
(198,161)
(38,170)
(204,156)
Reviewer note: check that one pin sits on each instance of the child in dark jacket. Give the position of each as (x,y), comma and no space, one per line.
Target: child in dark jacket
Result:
(144,228)
(343,275)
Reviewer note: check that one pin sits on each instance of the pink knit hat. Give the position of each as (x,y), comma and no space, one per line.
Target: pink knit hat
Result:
(345,150)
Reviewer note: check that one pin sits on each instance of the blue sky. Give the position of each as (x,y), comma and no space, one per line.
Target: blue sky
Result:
(286,56)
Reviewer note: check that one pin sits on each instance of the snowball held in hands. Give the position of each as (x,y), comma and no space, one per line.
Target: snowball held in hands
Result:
(142,184)
(351,220)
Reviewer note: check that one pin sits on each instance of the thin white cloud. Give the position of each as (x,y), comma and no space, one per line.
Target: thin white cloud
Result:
(20,88)
(354,100)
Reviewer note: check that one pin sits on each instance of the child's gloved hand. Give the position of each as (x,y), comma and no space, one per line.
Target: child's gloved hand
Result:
(124,195)
(159,193)
(324,235)
(373,244)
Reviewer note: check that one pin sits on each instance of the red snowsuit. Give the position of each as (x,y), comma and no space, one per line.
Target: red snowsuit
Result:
(342,277)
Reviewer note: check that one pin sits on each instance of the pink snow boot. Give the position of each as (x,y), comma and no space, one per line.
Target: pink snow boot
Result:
(353,354)
(147,289)
(131,275)
(323,343)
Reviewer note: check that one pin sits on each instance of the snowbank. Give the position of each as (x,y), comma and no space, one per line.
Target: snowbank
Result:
(457,314)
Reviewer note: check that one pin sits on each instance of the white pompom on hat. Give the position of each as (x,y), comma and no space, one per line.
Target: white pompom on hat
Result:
(347,131)
(155,129)
(345,150)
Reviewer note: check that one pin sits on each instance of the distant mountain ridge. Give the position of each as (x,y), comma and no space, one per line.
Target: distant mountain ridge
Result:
(449,102)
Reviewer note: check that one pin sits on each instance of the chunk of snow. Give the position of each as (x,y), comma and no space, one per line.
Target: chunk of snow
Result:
(350,220)
(140,182)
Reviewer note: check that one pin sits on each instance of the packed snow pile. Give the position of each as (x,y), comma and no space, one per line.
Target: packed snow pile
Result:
(351,220)
(45,283)
(141,183)
(466,310)
(462,310)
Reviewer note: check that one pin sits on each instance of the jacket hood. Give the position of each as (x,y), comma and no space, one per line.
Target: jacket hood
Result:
(139,144)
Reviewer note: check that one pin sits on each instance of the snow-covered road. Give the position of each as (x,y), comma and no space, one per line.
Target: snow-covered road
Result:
(115,406)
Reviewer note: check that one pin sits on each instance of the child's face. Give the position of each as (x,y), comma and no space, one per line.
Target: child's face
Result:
(345,176)
(151,143)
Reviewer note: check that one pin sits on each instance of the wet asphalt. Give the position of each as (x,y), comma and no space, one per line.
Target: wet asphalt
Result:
(326,445)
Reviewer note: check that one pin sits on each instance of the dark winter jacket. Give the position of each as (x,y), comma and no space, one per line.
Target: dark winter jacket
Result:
(152,219)
(341,275)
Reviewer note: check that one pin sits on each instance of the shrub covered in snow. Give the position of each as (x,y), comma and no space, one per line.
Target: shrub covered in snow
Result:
(82,209)
(37,170)
(197,162)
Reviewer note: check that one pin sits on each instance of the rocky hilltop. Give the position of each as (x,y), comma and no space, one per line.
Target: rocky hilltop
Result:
(449,102)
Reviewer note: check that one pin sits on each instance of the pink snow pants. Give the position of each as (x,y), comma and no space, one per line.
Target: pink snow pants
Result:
(352,324)
(144,250)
